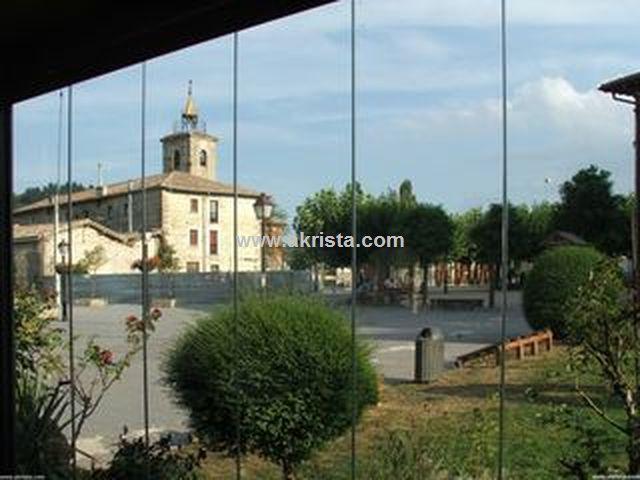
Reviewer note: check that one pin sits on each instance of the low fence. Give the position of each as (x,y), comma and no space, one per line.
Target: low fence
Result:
(186,288)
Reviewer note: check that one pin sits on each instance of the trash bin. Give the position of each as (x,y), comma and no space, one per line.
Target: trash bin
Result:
(429,361)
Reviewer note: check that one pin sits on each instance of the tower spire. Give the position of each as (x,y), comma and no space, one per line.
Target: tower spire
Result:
(190,112)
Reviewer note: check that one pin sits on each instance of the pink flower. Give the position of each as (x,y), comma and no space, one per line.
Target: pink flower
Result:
(106,357)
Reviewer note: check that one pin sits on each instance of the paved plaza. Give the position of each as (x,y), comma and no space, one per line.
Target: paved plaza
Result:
(392,329)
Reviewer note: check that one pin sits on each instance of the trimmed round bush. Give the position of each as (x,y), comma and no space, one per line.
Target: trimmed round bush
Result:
(279,377)
(557,275)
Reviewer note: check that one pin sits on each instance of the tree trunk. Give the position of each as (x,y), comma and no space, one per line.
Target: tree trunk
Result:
(287,471)
(445,288)
(425,285)
(412,289)
(634,445)
(493,281)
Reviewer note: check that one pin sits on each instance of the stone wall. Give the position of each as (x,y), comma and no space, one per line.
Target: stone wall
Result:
(178,220)
(188,146)
(111,211)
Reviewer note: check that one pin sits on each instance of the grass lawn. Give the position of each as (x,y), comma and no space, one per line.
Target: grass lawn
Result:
(450,428)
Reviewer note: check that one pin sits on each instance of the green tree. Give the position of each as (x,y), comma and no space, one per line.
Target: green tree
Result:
(406,197)
(603,334)
(539,221)
(328,212)
(486,235)
(34,194)
(428,233)
(280,372)
(168,261)
(463,248)
(93,259)
(590,209)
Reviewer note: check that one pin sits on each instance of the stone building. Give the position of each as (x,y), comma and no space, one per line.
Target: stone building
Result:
(186,205)
(34,248)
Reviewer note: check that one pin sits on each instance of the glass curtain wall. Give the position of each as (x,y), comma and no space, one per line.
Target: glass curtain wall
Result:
(294,311)
(284,249)
(569,140)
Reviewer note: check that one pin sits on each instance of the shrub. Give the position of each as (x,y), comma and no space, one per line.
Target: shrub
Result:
(133,461)
(557,275)
(42,447)
(281,376)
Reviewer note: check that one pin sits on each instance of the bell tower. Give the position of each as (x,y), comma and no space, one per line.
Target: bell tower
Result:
(190,149)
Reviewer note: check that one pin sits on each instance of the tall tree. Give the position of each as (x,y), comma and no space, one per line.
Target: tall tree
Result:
(463,248)
(590,209)
(486,235)
(428,233)
(328,213)
(539,220)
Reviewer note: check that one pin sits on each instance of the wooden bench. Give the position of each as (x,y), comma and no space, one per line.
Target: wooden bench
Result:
(523,346)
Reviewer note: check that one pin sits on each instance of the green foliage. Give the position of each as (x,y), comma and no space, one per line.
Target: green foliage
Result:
(43,393)
(329,212)
(486,235)
(463,248)
(603,330)
(93,259)
(167,259)
(33,194)
(539,220)
(42,445)
(402,454)
(591,443)
(39,345)
(406,197)
(590,209)
(428,232)
(132,461)
(600,310)
(281,373)
(556,277)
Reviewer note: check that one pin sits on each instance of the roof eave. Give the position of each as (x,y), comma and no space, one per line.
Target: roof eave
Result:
(627,85)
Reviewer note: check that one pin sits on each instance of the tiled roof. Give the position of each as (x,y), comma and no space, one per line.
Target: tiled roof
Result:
(175,180)
(40,230)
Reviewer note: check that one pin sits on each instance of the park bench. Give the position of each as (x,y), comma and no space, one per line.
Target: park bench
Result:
(520,347)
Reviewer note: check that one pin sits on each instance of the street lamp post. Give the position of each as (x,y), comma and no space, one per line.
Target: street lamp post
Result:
(63,248)
(263,207)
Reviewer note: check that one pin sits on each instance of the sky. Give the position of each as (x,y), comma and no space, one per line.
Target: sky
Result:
(428,102)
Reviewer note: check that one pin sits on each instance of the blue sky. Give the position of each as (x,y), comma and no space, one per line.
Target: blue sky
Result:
(428,102)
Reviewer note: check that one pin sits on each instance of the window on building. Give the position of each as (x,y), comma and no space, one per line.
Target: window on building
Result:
(109,212)
(193,267)
(215,267)
(85,213)
(176,159)
(213,242)
(193,238)
(194,205)
(203,158)
(213,211)
(126,208)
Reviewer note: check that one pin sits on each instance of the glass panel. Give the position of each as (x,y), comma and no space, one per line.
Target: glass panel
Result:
(428,90)
(295,148)
(570,140)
